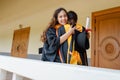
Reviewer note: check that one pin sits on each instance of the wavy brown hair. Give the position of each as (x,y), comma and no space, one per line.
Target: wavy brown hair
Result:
(52,23)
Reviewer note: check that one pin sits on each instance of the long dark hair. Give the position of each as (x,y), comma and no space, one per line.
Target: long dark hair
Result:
(52,23)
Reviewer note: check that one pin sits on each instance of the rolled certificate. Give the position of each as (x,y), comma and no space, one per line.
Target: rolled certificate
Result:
(87,22)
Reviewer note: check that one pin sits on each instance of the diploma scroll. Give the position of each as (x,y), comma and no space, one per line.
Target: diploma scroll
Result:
(87,22)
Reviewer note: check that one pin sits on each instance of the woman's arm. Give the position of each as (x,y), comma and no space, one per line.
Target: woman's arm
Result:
(66,35)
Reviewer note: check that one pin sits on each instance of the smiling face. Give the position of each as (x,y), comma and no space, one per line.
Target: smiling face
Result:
(62,17)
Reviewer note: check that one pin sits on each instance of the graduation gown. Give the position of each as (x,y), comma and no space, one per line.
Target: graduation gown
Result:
(50,47)
(81,44)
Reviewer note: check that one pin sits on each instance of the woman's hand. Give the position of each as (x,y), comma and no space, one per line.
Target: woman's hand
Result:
(72,29)
(88,35)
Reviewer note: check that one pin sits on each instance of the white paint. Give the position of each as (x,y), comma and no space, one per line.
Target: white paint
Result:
(39,70)
(3,74)
(17,77)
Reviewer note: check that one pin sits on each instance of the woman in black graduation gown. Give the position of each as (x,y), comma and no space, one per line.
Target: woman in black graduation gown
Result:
(52,42)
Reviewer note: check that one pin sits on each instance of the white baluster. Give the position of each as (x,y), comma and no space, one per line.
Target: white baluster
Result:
(3,74)
(17,77)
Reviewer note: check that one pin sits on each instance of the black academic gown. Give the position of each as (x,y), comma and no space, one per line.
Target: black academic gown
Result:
(81,44)
(51,46)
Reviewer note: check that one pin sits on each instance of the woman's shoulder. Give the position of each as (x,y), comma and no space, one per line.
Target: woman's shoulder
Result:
(61,27)
(66,25)
(51,29)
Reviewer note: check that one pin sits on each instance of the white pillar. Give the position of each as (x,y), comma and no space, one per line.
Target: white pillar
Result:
(3,74)
(17,77)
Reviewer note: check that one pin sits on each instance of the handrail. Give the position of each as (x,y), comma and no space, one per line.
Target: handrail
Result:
(39,70)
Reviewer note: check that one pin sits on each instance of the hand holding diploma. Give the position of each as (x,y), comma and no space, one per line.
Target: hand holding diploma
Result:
(87,24)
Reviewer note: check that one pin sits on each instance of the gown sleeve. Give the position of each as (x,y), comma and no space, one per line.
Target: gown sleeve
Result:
(52,38)
(82,40)
(51,45)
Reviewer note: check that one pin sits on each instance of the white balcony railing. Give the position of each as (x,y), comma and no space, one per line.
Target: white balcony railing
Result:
(39,70)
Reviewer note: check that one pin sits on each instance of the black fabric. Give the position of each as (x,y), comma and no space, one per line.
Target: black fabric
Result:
(82,40)
(64,46)
(50,47)
(81,44)
(40,50)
